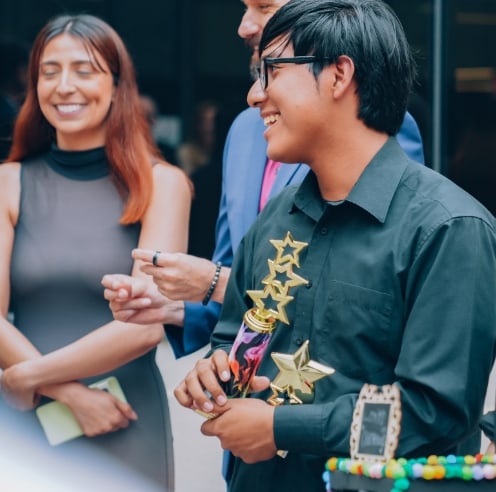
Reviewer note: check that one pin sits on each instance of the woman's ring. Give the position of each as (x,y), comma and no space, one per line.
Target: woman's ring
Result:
(155,258)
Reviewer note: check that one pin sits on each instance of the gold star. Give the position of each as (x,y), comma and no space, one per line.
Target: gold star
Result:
(258,295)
(296,376)
(281,395)
(275,399)
(287,269)
(281,246)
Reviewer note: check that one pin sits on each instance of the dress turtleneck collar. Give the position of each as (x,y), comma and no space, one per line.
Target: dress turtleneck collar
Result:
(81,165)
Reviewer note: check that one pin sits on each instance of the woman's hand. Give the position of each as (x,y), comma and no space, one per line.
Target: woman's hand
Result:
(97,411)
(135,300)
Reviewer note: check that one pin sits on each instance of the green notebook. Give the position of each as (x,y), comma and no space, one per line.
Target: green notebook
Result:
(59,423)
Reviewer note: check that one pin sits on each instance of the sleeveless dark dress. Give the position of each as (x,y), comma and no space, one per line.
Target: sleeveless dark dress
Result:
(67,238)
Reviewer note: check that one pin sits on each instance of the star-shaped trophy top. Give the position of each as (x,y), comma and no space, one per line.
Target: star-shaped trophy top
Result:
(288,250)
(282,277)
(297,373)
(278,299)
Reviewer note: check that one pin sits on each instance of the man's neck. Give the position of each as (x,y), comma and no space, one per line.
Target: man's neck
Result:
(340,168)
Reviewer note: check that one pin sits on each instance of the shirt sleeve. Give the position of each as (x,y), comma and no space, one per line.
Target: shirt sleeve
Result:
(199,322)
(488,425)
(446,354)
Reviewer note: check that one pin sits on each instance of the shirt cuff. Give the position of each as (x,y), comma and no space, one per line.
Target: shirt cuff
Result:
(299,428)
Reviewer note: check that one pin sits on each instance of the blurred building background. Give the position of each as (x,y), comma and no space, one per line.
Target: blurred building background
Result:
(187,51)
(184,50)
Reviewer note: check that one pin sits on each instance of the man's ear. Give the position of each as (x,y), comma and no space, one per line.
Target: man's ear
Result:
(343,73)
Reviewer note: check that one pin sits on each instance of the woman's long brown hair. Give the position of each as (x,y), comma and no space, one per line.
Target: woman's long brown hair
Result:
(128,143)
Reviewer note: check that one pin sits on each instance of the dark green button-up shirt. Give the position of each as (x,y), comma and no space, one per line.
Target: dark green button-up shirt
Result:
(402,289)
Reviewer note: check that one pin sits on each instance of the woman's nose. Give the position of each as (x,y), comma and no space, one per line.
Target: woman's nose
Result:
(66,82)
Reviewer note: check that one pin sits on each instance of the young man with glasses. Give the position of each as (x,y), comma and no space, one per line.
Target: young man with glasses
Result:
(399,262)
(249,180)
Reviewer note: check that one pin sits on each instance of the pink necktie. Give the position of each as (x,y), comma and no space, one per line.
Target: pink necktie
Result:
(270,174)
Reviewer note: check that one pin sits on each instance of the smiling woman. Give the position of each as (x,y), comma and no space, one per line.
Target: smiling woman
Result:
(84,185)
(75,90)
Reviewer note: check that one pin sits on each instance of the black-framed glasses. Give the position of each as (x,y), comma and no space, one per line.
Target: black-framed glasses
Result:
(263,70)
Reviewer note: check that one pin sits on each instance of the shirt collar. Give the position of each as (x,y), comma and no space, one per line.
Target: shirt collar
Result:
(373,191)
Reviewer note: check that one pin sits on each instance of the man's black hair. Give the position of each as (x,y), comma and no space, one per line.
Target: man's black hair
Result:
(368,32)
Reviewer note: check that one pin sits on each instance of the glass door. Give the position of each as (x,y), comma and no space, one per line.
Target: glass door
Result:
(454,101)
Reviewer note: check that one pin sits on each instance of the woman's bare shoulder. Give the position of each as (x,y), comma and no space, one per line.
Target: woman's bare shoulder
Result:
(167,168)
(10,186)
(165,172)
(9,174)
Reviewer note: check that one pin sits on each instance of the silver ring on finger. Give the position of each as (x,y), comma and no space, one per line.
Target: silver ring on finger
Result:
(155,258)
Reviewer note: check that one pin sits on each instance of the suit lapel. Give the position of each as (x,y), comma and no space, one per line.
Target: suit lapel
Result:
(286,175)
(244,174)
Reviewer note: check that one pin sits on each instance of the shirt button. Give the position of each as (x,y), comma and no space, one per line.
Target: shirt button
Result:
(323,231)
(299,341)
(309,284)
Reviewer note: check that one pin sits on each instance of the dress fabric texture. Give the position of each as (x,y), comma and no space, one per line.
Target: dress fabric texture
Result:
(67,237)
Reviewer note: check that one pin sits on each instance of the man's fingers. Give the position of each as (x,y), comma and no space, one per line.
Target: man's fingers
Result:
(109,294)
(259,383)
(201,388)
(209,428)
(123,314)
(149,255)
(148,269)
(119,294)
(131,304)
(196,389)
(221,362)
(145,255)
(182,395)
(114,280)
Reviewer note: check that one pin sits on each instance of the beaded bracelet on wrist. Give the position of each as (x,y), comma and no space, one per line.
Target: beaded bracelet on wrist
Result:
(402,470)
(211,289)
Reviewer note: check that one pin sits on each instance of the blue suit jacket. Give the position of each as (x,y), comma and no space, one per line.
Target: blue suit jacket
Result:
(243,168)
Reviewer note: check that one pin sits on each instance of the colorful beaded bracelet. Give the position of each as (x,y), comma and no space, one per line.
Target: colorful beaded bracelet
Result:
(402,470)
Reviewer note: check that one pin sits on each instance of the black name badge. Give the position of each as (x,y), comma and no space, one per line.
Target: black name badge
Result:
(376,423)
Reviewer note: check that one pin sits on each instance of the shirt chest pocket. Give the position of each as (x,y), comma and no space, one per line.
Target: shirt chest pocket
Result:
(357,328)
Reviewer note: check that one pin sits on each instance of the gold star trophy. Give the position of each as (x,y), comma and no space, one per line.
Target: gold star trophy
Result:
(294,383)
(259,322)
(297,373)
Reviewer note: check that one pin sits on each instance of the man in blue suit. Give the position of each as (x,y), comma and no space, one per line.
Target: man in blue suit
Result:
(185,280)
